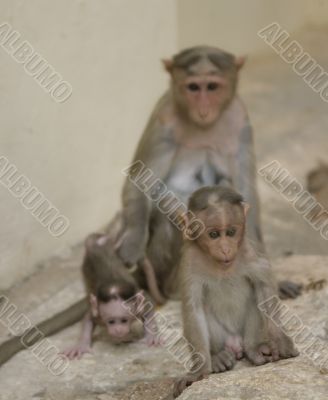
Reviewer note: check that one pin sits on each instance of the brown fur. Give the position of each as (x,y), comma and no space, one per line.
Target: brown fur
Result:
(223,281)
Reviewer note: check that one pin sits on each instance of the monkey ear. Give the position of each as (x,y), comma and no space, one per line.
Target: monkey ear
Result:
(246,207)
(240,61)
(94,305)
(168,64)
(183,222)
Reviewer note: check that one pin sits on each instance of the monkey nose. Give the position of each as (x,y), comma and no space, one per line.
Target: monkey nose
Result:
(203,114)
(226,254)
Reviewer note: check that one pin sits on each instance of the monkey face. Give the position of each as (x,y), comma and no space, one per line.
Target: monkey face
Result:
(117,320)
(225,225)
(205,97)
(222,243)
(202,92)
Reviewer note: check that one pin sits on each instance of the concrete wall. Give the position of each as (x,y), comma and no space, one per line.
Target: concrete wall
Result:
(73,152)
(233,24)
(109,52)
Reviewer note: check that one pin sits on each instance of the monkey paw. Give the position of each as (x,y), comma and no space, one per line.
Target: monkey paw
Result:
(76,352)
(132,247)
(223,361)
(153,340)
(285,346)
(262,354)
(278,348)
(289,290)
(182,383)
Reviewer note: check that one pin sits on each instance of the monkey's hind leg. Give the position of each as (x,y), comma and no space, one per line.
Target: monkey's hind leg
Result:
(182,383)
(258,347)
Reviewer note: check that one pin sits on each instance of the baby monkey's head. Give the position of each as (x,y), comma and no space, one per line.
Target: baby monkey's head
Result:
(223,213)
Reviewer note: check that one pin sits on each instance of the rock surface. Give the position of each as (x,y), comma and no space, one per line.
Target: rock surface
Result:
(137,372)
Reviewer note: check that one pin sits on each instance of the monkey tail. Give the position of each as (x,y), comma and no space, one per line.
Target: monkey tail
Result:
(48,327)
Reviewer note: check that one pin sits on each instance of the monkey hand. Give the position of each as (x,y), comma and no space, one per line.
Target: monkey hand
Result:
(131,247)
(223,361)
(182,383)
(77,351)
(153,340)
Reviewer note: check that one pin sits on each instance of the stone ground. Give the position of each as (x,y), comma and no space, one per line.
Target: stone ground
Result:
(290,122)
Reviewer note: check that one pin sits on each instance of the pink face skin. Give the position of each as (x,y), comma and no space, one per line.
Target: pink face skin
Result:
(117,319)
(205,96)
(224,233)
(222,243)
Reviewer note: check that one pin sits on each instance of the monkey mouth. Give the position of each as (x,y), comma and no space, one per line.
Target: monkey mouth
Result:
(227,263)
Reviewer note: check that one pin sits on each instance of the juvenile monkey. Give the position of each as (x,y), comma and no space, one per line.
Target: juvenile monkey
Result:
(223,281)
(109,284)
(199,134)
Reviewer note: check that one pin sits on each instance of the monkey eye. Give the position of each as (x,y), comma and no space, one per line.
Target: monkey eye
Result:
(193,87)
(111,321)
(212,86)
(231,232)
(124,320)
(214,234)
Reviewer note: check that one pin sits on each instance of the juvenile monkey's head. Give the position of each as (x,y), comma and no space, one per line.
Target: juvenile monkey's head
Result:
(223,212)
(108,305)
(203,81)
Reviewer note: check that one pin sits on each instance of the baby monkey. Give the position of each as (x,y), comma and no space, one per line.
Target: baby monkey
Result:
(223,281)
(109,284)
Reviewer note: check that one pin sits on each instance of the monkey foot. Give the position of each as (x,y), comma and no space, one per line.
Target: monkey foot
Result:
(181,384)
(289,290)
(285,347)
(279,348)
(223,361)
(262,354)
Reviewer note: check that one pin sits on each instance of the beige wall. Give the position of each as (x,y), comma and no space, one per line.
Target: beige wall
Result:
(73,152)
(233,24)
(109,51)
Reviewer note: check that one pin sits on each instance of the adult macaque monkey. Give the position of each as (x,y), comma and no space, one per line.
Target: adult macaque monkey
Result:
(199,134)
(223,281)
(109,285)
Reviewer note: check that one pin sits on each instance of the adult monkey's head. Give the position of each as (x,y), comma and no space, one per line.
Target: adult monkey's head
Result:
(203,81)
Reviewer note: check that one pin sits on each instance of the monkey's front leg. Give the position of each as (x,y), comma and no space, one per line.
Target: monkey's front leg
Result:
(223,361)
(226,350)
(196,332)
(131,244)
(84,344)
